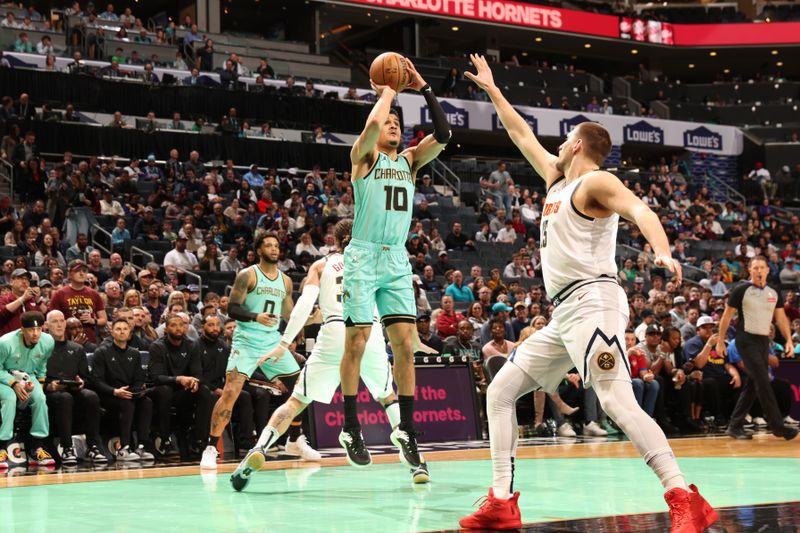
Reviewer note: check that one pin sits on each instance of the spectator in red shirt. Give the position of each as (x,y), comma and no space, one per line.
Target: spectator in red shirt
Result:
(447,322)
(790,306)
(22,298)
(78,300)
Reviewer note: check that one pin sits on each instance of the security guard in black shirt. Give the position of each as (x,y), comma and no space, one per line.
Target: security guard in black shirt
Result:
(756,304)
(66,393)
(215,360)
(176,368)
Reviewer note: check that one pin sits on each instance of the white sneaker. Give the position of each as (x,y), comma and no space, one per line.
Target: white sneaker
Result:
(126,455)
(790,421)
(748,419)
(565,430)
(144,455)
(593,429)
(759,422)
(301,448)
(209,460)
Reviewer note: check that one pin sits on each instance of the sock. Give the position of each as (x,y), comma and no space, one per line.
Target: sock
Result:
(406,412)
(350,413)
(295,430)
(393,413)
(666,468)
(268,437)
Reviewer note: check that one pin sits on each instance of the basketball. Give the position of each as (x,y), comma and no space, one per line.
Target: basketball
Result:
(390,69)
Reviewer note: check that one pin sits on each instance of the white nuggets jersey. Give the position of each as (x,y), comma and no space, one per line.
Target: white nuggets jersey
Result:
(330,287)
(573,246)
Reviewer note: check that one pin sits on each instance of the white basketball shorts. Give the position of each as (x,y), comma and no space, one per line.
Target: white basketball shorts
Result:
(587,332)
(320,376)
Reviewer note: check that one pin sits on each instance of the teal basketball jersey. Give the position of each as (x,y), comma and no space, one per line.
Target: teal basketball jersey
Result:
(384,201)
(266,297)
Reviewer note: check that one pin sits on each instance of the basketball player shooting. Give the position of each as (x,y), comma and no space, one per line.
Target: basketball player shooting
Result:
(578,244)
(376,267)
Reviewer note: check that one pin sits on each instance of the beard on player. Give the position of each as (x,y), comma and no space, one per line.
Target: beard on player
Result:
(269,256)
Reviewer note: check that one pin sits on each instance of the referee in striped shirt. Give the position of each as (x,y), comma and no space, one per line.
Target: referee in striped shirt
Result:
(756,304)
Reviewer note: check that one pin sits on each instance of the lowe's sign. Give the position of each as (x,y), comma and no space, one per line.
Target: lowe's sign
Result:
(642,132)
(497,125)
(457,117)
(702,138)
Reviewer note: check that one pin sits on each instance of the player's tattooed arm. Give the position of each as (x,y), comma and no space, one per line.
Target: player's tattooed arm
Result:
(241,286)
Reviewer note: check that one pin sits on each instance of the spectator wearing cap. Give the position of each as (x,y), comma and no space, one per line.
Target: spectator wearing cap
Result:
(648,319)
(721,380)
(68,363)
(109,206)
(458,290)
(678,311)
(442,264)
(25,351)
(78,300)
(147,228)
(789,276)
(499,310)
(21,299)
(179,258)
(448,319)
(426,336)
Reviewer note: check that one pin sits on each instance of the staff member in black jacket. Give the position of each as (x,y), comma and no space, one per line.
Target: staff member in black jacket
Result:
(215,360)
(176,368)
(68,364)
(118,376)
(756,303)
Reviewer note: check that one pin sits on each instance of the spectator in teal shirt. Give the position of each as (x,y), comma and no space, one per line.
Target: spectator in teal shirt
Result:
(459,291)
(23,44)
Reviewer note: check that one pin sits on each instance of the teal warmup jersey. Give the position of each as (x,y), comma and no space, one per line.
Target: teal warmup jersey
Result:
(252,340)
(383,202)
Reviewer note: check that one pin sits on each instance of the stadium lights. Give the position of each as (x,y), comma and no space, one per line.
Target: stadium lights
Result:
(726,71)
(454,28)
(587,45)
(712,54)
(538,39)
(634,51)
(691,65)
(779,63)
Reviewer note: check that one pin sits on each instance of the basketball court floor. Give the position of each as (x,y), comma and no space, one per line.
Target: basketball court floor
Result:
(567,485)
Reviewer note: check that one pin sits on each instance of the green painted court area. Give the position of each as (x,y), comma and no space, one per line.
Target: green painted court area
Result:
(381,498)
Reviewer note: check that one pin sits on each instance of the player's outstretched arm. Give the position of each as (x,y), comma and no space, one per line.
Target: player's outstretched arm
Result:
(543,161)
(363,150)
(432,145)
(604,190)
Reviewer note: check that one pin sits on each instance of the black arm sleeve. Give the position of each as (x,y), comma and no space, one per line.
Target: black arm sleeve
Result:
(238,312)
(441,128)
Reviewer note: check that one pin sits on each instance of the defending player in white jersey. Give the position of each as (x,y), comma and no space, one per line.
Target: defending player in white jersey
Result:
(578,245)
(320,376)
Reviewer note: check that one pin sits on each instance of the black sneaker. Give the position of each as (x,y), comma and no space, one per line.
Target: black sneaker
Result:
(165,448)
(406,442)
(738,433)
(95,456)
(69,457)
(787,432)
(353,443)
(421,474)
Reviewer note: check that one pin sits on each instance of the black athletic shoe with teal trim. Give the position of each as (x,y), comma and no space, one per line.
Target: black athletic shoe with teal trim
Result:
(353,442)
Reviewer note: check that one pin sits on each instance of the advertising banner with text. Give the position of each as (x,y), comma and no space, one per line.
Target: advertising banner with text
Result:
(444,408)
(468,114)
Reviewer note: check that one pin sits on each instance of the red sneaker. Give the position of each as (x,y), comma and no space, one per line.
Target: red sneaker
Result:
(41,458)
(688,511)
(3,460)
(494,514)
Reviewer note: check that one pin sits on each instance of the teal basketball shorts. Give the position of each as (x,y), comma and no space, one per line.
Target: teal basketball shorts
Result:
(248,347)
(377,275)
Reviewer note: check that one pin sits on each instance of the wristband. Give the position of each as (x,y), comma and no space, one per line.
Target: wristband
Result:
(426,87)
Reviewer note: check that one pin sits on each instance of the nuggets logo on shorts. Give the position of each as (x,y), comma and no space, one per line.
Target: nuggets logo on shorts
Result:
(606,361)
